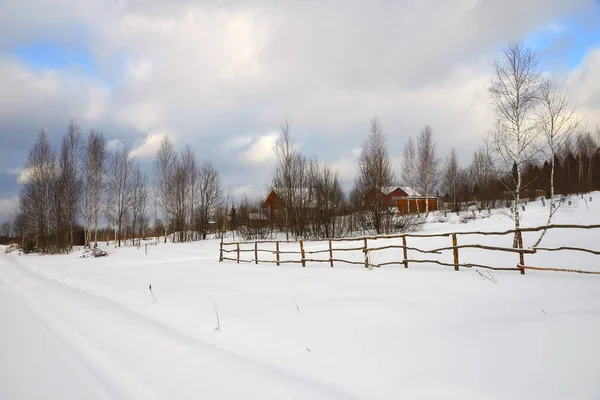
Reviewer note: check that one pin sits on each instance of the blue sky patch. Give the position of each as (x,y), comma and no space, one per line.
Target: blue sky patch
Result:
(565,43)
(56,56)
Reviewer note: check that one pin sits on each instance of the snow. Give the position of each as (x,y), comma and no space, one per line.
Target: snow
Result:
(89,328)
(412,192)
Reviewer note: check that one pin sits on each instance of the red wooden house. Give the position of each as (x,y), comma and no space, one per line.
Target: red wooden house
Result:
(273,204)
(406,200)
(389,196)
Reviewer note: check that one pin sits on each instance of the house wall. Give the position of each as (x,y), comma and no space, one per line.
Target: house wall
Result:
(388,200)
(408,205)
(258,223)
(272,203)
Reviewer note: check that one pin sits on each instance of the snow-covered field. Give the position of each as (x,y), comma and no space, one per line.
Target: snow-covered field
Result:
(82,328)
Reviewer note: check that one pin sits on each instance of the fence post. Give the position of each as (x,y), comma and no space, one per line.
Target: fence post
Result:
(330,255)
(366,251)
(255,252)
(221,250)
(521,255)
(405,251)
(302,253)
(277,252)
(455,251)
(238,253)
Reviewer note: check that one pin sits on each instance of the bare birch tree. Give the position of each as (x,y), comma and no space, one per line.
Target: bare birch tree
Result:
(6,229)
(70,180)
(94,171)
(284,180)
(179,198)
(409,169)
(120,191)
(139,203)
(586,148)
(481,172)
(36,193)
(558,122)
(327,200)
(19,225)
(210,193)
(190,166)
(514,91)
(164,169)
(451,174)
(375,176)
(427,164)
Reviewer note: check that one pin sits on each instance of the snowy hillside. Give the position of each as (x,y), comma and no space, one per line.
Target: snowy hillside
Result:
(76,328)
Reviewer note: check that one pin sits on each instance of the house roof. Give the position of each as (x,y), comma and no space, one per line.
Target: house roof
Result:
(387,190)
(411,191)
(408,190)
(302,192)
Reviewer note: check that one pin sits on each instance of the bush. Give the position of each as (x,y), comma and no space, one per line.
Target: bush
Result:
(408,223)
(29,246)
(95,252)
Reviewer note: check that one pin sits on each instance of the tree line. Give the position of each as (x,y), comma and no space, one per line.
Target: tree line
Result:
(538,144)
(68,193)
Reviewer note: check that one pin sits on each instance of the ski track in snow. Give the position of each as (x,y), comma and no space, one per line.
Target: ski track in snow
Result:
(71,323)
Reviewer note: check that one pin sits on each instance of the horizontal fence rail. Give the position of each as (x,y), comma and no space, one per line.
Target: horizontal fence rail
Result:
(234,251)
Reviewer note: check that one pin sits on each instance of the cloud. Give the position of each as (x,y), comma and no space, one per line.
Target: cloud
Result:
(147,147)
(10,171)
(262,151)
(218,72)
(238,142)
(115,145)
(24,175)
(584,85)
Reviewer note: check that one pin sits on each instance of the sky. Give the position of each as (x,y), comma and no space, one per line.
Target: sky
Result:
(222,75)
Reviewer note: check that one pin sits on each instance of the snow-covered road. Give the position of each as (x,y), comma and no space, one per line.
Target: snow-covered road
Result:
(35,361)
(62,343)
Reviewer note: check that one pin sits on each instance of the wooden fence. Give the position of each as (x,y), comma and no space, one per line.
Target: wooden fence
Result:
(233,251)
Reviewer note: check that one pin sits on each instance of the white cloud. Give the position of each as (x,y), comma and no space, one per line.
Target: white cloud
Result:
(141,69)
(23,175)
(237,142)
(584,87)
(115,145)
(10,171)
(147,147)
(262,151)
